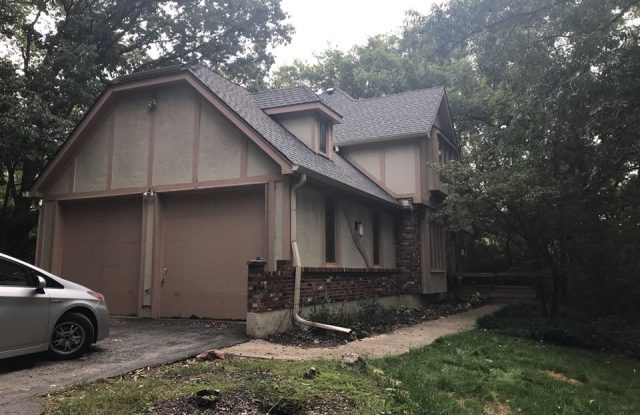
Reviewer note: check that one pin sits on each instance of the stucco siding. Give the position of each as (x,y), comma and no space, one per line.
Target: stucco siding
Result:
(311,230)
(369,158)
(221,146)
(258,164)
(63,183)
(173,134)
(303,126)
(400,167)
(91,160)
(310,226)
(131,141)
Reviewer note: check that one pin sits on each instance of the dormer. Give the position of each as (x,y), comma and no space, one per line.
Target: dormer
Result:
(303,114)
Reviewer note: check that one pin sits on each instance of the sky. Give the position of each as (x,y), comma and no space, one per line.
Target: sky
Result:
(340,23)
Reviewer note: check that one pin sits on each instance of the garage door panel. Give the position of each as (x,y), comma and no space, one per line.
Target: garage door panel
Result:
(207,241)
(101,249)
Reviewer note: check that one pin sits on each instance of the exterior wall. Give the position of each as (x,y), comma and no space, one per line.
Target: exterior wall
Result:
(395,165)
(45,234)
(274,290)
(178,139)
(311,230)
(270,294)
(304,126)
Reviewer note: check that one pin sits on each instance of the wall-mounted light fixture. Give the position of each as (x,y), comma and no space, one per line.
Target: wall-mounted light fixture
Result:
(149,193)
(359,227)
(152,104)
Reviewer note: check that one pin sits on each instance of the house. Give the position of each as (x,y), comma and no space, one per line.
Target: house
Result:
(173,197)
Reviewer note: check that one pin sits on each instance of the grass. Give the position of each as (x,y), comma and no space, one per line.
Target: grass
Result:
(614,334)
(481,372)
(471,373)
(350,390)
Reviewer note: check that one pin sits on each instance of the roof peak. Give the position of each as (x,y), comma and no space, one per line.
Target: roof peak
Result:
(413,91)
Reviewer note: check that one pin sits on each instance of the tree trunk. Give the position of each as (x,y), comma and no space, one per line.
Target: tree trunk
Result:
(555,293)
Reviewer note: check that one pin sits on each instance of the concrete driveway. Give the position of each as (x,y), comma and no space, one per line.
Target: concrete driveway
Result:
(133,343)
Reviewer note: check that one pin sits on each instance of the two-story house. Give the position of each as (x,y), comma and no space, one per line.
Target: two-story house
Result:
(176,178)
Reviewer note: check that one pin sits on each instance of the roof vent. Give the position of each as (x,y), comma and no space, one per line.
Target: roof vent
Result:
(330,90)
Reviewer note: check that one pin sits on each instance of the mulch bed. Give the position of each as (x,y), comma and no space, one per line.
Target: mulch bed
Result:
(242,402)
(312,337)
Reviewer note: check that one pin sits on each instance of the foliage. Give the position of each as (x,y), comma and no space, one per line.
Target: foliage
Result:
(469,373)
(614,334)
(546,100)
(56,56)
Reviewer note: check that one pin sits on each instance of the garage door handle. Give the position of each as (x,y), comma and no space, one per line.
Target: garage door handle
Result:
(164,274)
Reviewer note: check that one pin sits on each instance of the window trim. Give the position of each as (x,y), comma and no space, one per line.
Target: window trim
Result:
(376,235)
(334,231)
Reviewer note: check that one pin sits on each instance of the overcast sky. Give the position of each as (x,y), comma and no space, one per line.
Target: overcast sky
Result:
(340,23)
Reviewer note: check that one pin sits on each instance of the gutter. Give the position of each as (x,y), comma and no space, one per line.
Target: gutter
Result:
(298,265)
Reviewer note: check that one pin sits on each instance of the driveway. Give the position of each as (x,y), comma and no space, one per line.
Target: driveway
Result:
(133,343)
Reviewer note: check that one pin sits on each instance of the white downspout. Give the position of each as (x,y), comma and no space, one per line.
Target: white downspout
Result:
(298,266)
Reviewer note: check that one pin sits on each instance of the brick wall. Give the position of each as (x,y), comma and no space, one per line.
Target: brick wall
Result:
(408,248)
(274,290)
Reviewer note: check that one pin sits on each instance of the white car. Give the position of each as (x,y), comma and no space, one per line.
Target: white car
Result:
(40,312)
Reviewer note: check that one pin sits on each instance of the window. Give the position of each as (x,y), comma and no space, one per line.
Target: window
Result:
(330,230)
(12,274)
(376,239)
(324,137)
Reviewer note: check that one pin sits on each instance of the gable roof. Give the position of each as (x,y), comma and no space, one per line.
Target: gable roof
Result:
(271,98)
(237,99)
(242,103)
(403,114)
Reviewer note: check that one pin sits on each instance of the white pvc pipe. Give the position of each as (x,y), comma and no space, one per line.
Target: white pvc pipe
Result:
(298,265)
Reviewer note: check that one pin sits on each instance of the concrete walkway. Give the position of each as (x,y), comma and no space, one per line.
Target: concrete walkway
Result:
(395,343)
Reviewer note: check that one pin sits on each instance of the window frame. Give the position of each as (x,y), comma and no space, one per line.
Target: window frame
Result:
(324,132)
(376,228)
(330,228)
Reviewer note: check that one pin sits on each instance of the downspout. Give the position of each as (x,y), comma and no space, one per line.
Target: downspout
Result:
(298,266)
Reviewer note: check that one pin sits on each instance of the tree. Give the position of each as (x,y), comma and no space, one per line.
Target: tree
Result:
(546,98)
(56,56)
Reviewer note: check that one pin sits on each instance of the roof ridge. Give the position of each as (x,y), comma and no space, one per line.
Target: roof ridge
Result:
(400,93)
(284,89)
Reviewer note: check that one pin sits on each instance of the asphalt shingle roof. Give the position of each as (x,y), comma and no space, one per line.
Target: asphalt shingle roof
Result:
(243,103)
(403,114)
(272,98)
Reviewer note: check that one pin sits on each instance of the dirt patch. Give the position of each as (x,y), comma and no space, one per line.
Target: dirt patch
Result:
(208,402)
(561,377)
(496,408)
(390,321)
(391,344)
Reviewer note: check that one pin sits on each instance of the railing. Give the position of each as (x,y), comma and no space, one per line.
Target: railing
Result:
(503,286)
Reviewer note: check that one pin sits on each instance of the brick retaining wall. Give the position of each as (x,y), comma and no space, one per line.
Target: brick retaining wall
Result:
(273,290)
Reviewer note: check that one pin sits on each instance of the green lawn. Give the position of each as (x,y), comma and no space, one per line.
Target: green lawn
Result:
(470,373)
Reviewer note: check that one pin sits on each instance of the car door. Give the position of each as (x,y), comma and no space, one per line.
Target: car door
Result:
(24,313)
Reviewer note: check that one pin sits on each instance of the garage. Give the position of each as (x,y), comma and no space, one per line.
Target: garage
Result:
(207,239)
(101,249)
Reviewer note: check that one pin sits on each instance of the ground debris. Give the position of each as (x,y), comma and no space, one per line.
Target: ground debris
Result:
(353,361)
(213,354)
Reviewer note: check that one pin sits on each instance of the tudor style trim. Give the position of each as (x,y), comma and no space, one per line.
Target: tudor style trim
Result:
(90,119)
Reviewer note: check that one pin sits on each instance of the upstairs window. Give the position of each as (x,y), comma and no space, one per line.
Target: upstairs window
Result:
(324,138)
(330,230)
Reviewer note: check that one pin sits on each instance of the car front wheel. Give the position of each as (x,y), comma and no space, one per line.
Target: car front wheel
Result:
(71,336)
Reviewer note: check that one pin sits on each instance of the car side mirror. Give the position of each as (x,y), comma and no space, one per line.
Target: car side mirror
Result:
(41,284)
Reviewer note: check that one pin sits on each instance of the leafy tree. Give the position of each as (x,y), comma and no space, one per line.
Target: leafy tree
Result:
(546,98)
(56,56)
